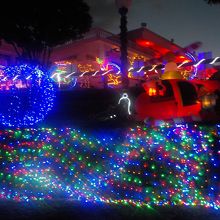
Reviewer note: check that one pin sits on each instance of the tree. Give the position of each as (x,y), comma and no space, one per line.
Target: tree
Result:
(213,1)
(34,29)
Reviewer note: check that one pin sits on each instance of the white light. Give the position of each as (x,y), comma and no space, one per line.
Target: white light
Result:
(15,77)
(83,73)
(39,73)
(125,97)
(95,73)
(69,75)
(154,66)
(140,69)
(75,82)
(53,75)
(214,60)
(199,63)
(59,80)
(28,77)
(115,65)
(131,68)
(106,72)
(185,61)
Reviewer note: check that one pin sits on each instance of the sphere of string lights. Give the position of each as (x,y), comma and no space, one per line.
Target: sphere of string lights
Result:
(27,95)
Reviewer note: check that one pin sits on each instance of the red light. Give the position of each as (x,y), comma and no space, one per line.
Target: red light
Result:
(145,43)
(148,43)
(182,59)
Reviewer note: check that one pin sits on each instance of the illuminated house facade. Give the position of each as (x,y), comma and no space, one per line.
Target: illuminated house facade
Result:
(100,50)
(142,43)
(94,60)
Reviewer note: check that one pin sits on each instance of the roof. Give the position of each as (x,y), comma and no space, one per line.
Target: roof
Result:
(147,34)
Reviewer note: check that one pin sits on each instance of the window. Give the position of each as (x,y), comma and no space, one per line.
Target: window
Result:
(164,92)
(188,93)
(169,90)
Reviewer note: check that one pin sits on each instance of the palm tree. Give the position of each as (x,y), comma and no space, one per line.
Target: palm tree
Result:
(213,1)
(34,30)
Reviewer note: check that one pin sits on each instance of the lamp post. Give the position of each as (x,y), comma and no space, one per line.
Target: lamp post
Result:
(123,6)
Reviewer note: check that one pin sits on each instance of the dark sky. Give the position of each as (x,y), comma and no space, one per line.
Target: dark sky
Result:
(186,21)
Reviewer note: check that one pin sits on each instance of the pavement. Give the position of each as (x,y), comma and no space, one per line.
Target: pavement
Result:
(89,211)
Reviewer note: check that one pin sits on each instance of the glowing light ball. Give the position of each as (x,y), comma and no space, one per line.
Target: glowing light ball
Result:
(27,95)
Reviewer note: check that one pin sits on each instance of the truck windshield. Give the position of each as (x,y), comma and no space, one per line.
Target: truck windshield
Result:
(188,93)
(169,90)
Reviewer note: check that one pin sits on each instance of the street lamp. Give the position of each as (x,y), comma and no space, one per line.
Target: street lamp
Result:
(123,6)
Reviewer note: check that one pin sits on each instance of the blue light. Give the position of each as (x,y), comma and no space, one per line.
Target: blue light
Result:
(31,96)
(194,60)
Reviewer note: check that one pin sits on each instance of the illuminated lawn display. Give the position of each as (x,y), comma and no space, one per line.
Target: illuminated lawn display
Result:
(141,166)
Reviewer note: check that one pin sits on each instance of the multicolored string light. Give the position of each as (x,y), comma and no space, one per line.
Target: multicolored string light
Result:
(143,166)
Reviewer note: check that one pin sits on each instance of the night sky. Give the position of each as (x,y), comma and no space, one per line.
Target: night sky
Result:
(186,21)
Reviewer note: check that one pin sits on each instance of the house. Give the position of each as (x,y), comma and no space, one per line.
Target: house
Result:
(7,54)
(94,60)
(100,50)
